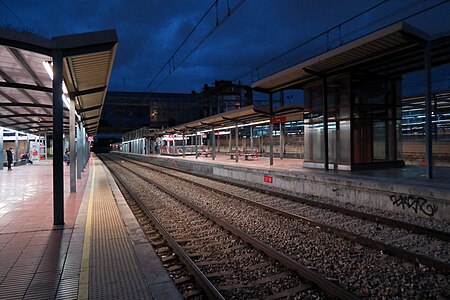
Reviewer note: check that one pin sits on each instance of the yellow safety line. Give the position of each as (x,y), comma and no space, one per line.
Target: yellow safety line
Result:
(83,284)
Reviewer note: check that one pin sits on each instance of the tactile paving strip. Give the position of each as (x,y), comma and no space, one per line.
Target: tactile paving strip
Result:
(114,270)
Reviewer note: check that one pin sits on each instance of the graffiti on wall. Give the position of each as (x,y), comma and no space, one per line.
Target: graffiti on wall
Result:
(338,192)
(418,204)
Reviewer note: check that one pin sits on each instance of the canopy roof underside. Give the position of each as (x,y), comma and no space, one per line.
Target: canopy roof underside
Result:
(26,87)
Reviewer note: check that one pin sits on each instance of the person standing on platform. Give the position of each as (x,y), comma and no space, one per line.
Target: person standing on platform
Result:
(67,156)
(9,158)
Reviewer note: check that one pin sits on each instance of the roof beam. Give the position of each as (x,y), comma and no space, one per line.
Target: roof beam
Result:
(29,115)
(28,122)
(88,49)
(19,58)
(23,91)
(314,72)
(21,104)
(90,108)
(25,86)
(90,118)
(12,101)
(87,92)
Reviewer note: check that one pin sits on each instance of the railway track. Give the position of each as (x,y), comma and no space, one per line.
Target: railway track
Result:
(225,261)
(407,241)
(443,233)
(365,271)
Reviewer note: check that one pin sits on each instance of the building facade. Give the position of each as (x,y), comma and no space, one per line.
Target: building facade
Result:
(128,111)
(224,96)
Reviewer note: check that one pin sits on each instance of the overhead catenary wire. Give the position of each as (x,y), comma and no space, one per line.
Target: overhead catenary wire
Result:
(14,14)
(322,34)
(284,53)
(219,23)
(385,17)
(181,45)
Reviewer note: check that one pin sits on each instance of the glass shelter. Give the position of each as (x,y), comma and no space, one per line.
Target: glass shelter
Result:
(363,121)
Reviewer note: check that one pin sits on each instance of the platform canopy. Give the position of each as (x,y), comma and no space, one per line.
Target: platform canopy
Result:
(26,83)
(394,50)
(246,115)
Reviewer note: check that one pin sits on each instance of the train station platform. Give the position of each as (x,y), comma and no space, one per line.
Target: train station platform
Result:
(100,252)
(402,190)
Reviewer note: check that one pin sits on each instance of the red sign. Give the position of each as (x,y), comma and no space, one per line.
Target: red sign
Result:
(278,120)
(216,133)
(90,139)
(268,179)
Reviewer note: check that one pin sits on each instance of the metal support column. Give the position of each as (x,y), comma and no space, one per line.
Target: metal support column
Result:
(85,157)
(213,142)
(251,137)
(27,148)
(236,132)
(230,147)
(83,137)
(16,145)
(271,130)
(428,123)
(73,170)
(325,122)
(86,147)
(79,152)
(281,141)
(45,144)
(184,146)
(83,153)
(58,171)
(2,158)
(196,142)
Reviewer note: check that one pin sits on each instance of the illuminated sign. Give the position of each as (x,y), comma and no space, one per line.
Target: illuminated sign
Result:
(268,179)
(278,120)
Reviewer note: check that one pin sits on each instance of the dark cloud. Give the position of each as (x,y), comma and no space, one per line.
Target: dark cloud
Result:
(150,31)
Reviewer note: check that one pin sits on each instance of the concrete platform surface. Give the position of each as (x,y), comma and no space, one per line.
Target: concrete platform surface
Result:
(100,252)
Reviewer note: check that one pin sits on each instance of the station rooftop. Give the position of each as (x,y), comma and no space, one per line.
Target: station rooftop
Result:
(392,51)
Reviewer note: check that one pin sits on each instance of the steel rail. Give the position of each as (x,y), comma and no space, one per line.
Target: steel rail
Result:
(398,252)
(438,234)
(323,283)
(201,279)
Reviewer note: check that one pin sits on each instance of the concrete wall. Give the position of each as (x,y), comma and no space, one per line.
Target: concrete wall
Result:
(409,199)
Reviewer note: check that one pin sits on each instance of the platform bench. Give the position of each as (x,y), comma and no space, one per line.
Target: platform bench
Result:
(250,156)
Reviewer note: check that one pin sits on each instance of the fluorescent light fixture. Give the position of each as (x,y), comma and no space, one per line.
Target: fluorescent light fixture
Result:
(64,88)
(48,65)
(66,101)
(21,132)
(234,126)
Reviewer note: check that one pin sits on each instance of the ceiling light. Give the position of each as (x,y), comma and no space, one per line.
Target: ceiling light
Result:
(48,65)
